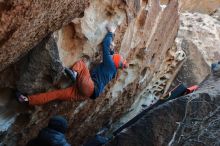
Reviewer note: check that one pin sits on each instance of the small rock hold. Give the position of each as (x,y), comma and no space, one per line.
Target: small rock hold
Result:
(199,20)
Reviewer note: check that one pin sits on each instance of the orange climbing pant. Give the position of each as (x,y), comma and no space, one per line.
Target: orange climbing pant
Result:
(81,90)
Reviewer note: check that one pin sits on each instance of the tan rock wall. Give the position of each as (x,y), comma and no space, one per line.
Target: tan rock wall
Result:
(23,24)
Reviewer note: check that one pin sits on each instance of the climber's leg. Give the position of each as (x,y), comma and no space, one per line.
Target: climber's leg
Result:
(61,94)
(84,82)
(82,90)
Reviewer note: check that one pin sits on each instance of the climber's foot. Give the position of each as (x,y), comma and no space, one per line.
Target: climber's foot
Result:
(71,73)
(21,98)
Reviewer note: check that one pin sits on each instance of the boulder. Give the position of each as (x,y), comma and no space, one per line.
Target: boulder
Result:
(201,45)
(189,120)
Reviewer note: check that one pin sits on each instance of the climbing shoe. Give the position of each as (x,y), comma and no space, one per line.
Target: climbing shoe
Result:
(21,98)
(71,73)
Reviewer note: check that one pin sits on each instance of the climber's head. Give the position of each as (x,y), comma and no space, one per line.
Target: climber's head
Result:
(119,61)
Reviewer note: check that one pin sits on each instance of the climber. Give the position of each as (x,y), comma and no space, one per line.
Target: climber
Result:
(53,134)
(85,85)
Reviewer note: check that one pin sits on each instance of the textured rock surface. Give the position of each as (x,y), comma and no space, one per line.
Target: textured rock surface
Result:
(23,24)
(196,28)
(189,120)
(41,69)
(38,71)
(200,43)
(201,6)
(144,37)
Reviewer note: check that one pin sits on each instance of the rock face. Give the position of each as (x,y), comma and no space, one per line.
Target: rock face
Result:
(144,37)
(201,6)
(189,120)
(24,24)
(196,28)
(200,43)
(42,66)
(38,71)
